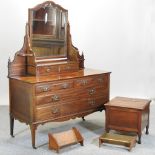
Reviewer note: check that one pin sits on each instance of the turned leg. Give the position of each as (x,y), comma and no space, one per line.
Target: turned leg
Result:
(139,138)
(33,129)
(11,125)
(83,118)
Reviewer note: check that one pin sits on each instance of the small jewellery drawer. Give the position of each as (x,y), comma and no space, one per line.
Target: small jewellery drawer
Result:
(47,112)
(68,67)
(47,70)
(47,87)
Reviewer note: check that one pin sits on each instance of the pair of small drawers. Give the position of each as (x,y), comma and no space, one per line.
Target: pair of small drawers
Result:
(71,96)
(47,70)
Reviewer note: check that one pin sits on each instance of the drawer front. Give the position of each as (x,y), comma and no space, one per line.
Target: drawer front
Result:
(56,97)
(47,70)
(70,95)
(47,112)
(68,68)
(96,102)
(92,92)
(97,81)
(44,113)
(48,87)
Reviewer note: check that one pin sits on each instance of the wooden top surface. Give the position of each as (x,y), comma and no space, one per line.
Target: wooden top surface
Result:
(125,102)
(63,76)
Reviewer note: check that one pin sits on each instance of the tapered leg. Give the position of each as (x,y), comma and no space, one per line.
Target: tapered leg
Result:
(11,125)
(33,129)
(83,118)
(147,130)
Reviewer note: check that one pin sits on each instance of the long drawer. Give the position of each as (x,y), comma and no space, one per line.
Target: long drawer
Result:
(72,108)
(71,95)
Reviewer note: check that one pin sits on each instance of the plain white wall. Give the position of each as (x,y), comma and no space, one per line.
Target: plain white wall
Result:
(115,35)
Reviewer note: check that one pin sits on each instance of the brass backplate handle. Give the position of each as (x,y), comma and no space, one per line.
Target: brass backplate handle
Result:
(55,98)
(91,91)
(55,110)
(45,89)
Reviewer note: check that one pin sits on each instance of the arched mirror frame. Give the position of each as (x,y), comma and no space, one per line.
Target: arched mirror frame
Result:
(48,31)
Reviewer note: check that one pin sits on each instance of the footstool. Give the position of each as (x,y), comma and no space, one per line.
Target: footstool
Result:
(124,140)
(127,115)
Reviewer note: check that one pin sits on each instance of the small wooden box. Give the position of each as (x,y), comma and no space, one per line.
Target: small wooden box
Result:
(124,140)
(59,140)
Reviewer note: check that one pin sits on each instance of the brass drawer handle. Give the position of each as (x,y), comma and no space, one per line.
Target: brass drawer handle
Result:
(65,85)
(55,110)
(82,82)
(68,67)
(91,102)
(45,89)
(55,98)
(91,91)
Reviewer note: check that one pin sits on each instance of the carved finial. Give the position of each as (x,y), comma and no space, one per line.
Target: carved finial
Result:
(82,55)
(81,60)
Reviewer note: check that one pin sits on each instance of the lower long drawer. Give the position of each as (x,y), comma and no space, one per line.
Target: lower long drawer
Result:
(65,109)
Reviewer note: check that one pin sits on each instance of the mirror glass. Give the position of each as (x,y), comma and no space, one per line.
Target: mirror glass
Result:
(48,32)
(44,21)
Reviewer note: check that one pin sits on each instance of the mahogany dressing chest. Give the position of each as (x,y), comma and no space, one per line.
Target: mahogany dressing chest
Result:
(47,78)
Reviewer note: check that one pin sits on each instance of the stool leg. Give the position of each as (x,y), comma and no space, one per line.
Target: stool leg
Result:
(83,118)
(139,138)
(100,142)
